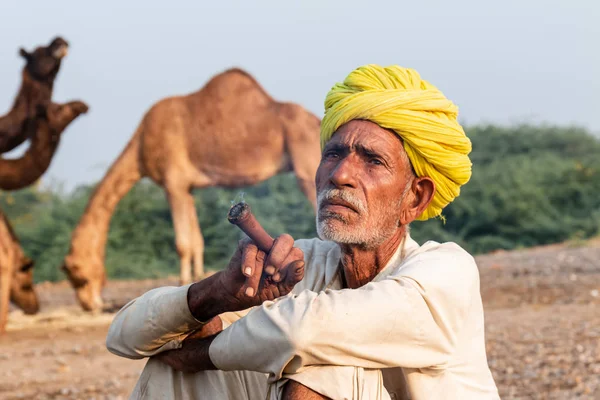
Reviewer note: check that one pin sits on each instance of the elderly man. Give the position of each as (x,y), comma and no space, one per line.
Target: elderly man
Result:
(363,313)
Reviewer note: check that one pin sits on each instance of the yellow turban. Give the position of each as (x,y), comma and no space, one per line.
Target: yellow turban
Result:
(397,98)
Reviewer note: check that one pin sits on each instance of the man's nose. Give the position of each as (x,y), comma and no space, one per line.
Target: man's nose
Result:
(344,174)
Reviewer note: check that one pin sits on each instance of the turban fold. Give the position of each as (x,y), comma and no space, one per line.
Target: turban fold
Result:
(397,98)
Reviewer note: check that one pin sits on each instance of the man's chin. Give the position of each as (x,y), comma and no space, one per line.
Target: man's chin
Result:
(334,228)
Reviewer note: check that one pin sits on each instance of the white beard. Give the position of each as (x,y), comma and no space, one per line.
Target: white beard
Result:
(334,227)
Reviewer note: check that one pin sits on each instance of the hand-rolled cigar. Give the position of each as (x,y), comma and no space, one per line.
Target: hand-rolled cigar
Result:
(241,215)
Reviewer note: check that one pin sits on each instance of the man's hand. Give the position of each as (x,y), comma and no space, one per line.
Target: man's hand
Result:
(251,278)
(193,354)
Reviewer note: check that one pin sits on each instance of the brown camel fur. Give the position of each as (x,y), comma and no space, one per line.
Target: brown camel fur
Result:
(38,76)
(229,133)
(16,275)
(48,127)
(16,270)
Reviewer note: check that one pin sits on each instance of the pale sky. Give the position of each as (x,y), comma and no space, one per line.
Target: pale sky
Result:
(501,62)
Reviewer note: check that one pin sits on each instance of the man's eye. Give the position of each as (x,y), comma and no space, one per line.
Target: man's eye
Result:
(331,155)
(375,161)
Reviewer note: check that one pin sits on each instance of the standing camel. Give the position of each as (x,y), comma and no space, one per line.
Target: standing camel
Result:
(16,275)
(229,133)
(38,76)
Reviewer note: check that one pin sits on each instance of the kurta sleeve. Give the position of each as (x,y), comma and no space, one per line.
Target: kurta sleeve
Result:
(157,321)
(160,319)
(411,319)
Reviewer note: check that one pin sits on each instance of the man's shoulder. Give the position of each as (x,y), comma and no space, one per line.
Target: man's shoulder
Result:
(444,272)
(436,260)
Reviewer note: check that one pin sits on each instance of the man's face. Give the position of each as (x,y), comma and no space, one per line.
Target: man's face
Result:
(361,181)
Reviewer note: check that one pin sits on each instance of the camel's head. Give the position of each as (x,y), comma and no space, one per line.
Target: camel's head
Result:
(44,62)
(87,276)
(22,292)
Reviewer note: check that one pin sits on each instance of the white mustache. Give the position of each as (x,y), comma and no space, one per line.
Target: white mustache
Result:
(348,197)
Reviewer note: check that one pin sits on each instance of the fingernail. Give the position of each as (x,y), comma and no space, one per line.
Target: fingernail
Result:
(270,270)
(250,292)
(248,271)
(277,277)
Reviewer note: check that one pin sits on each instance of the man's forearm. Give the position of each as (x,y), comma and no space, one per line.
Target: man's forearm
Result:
(375,326)
(206,300)
(192,357)
(154,322)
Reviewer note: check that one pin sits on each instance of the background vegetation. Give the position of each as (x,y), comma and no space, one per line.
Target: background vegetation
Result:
(531,185)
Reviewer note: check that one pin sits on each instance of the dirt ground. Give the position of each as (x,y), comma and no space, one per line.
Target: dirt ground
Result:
(542,322)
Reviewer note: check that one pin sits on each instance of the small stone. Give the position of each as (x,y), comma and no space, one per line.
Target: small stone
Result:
(595,293)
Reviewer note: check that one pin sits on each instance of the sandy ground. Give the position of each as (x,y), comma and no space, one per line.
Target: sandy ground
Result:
(542,317)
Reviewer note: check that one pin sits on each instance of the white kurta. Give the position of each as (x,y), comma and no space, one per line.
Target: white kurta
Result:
(415,332)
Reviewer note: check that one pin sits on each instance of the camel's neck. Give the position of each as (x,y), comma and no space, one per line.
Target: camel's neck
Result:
(24,171)
(31,93)
(92,230)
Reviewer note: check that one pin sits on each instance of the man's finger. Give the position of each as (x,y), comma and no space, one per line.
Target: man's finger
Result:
(281,248)
(295,273)
(237,256)
(247,259)
(250,256)
(294,255)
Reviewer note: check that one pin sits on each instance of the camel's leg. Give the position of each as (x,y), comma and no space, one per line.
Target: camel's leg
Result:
(5,278)
(198,244)
(187,233)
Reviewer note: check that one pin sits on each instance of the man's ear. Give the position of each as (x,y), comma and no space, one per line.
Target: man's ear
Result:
(23,53)
(418,199)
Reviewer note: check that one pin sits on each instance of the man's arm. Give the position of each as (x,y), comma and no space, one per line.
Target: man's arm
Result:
(409,320)
(162,318)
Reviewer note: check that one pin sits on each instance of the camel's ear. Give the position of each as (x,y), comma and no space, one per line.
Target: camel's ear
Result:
(23,53)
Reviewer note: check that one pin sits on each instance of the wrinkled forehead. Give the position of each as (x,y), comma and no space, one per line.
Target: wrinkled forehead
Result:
(366,134)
